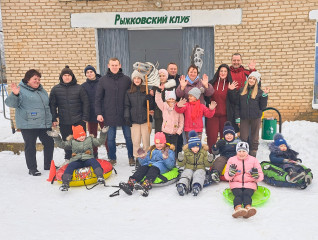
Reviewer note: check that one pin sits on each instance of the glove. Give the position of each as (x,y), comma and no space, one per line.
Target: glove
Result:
(52,133)
(254,173)
(149,97)
(127,122)
(220,143)
(141,153)
(211,158)
(180,156)
(105,129)
(165,153)
(232,170)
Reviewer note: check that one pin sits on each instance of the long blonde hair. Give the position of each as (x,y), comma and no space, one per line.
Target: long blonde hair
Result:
(254,92)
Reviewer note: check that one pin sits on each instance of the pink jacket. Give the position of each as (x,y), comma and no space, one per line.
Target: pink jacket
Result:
(197,124)
(243,178)
(172,121)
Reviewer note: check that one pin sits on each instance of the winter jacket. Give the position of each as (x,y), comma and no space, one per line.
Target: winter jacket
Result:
(248,108)
(197,124)
(197,160)
(110,97)
(69,102)
(91,86)
(198,84)
(136,106)
(228,150)
(176,78)
(32,107)
(240,75)
(173,122)
(277,156)
(81,150)
(243,178)
(154,158)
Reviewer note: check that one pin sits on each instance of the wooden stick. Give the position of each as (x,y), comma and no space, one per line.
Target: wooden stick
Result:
(148,119)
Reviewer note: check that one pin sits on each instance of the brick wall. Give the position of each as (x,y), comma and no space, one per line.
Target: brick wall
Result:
(277,34)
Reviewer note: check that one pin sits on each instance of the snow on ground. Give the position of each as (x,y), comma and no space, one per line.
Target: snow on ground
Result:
(31,208)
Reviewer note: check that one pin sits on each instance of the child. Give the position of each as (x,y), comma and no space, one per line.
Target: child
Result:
(159,160)
(284,157)
(172,125)
(195,160)
(193,111)
(243,172)
(82,153)
(226,148)
(249,109)
(135,113)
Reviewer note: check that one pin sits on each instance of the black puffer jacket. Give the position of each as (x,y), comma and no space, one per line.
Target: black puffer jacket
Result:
(69,102)
(110,97)
(136,106)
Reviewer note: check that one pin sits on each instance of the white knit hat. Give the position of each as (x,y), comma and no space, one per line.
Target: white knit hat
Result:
(242,146)
(257,75)
(137,74)
(170,94)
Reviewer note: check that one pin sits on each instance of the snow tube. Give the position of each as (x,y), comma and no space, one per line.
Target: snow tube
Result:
(276,176)
(260,196)
(86,175)
(208,180)
(167,178)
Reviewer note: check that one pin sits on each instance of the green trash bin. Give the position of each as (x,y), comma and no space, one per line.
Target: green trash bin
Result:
(269,128)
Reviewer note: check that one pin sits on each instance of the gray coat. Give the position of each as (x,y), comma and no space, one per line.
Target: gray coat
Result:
(32,107)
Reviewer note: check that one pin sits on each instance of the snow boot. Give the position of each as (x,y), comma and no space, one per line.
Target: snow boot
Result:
(128,187)
(131,161)
(215,176)
(34,172)
(66,178)
(182,189)
(99,174)
(143,188)
(239,211)
(196,188)
(295,176)
(251,211)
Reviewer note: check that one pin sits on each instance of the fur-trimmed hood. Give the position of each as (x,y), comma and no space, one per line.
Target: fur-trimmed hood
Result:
(204,147)
(171,147)
(289,153)
(70,137)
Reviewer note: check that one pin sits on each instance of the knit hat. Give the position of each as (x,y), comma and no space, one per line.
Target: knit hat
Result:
(170,94)
(78,131)
(242,146)
(257,75)
(67,70)
(137,74)
(164,72)
(160,137)
(195,92)
(89,67)
(194,140)
(228,128)
(279,140)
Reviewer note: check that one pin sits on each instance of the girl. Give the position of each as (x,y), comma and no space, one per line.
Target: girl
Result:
(248,112)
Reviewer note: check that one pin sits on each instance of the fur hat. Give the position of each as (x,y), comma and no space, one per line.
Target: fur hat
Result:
(279,140)
(194,140)
(170,94)
(160,137)
(67,70)
(89,67)
(137,74)
(257,75)
(228,128)
(164,72)
(242,146)
(195,92)
(78,131)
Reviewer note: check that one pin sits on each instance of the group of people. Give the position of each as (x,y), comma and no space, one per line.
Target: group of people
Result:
(178,106)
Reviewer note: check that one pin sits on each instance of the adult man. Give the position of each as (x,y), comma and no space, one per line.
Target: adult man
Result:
(172,69)
(109,107)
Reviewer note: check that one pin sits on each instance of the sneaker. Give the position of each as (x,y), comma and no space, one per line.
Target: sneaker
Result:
(64,187)
(181,188)
(215,176)
(131,161)
(126,187)
(34,172)
(196,189)
(251,211)
(295,176)
(101,180)
(113,162)
(239,212)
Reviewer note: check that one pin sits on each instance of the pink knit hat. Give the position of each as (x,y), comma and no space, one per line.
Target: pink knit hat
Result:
(160,137)
(164,71)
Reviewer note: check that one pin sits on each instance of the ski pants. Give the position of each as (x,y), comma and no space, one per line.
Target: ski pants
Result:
(242,195)
(197,175)
(219,164)
(150,172)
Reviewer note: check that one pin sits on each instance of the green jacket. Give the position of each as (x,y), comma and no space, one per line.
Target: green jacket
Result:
(193,160)
(81,150)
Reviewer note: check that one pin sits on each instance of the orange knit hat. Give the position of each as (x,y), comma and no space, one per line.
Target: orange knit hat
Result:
(78,131)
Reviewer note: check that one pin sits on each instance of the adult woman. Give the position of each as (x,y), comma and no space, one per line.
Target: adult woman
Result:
(224,96)
(33,118)
(192,80)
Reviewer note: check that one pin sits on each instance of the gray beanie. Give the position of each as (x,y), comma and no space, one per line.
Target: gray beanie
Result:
(137,74)
(195,92)
(242,146)
(257,75)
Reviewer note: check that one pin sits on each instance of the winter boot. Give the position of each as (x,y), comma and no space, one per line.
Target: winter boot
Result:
(131,161)
(196,188)
(99,174)
(182,189)
(251,211)
(113,162)
(66,178)
(128,187)
(295,176)
(239,211)
(143,188)
(34,172)
(215,176)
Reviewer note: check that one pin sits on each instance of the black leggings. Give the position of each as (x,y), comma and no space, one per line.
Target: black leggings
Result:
(242,195)
(151,173)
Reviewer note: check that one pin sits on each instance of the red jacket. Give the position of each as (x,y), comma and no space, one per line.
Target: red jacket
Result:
(240,75)
(219,96)
(197,124)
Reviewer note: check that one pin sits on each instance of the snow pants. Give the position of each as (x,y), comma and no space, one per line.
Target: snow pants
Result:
(197,175)
(242,195)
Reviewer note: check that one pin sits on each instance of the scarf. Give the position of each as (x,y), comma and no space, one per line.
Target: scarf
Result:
(190,81)
(196,110)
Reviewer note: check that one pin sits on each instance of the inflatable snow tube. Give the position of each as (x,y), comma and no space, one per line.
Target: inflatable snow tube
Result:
(167,178)
(86,175)
(260,196)
(276,176)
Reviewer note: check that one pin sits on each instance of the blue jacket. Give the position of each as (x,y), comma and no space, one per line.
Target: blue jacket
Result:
(277,156)
(32,107)
(154,158)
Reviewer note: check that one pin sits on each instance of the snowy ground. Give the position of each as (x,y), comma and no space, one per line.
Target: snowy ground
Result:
(31,208)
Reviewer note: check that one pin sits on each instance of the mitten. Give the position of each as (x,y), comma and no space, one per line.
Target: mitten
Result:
(149,97)
(165,153)
(220,143)
(232,170)
(141,153)
(254,173)
(52,133)
(105,129)
(211,158)
(180,156)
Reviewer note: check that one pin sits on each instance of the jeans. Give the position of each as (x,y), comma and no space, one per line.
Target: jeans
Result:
(111,141)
